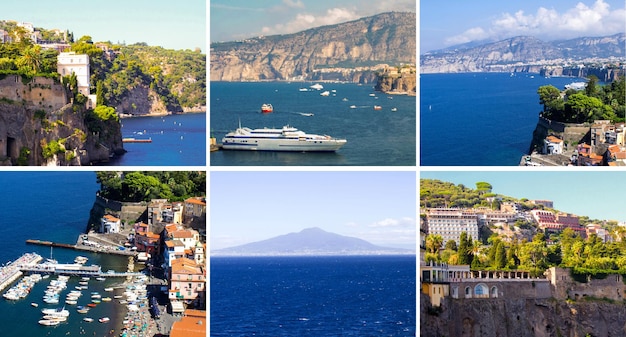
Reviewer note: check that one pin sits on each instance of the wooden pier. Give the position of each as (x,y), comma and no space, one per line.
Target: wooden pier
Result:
(101,249)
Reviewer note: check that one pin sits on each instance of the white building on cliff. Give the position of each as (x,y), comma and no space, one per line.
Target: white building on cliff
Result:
(70,62)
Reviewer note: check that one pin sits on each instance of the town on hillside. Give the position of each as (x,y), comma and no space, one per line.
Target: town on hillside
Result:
(171,241)
(520,262)
(606,147)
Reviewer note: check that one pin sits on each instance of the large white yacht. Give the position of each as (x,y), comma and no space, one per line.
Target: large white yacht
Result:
(286,139)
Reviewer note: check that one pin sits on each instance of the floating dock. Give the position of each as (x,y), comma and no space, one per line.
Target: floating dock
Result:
(136,140)
(71,270)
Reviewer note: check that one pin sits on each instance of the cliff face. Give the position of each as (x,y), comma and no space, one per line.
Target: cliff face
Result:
(141,101)
(510,54)
(522,317)
(405,84)
(39,127)
(384,38)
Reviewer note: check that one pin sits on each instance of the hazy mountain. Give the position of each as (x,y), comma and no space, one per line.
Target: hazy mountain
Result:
(384,38)
(520,51)
(310,241)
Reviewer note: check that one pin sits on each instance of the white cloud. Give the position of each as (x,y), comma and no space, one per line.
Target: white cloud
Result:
(581,20)
(293,4)
(304,21)
(389,222)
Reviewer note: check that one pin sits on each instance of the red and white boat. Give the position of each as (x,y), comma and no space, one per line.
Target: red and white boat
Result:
(267,108)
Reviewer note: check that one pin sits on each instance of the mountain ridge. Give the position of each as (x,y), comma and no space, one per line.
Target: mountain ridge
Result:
(387,38)
(506,54)
(309,241)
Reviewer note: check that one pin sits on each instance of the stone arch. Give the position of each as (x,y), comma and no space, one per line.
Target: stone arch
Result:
(455,292)
(468,292)
(494,292)
(481,290)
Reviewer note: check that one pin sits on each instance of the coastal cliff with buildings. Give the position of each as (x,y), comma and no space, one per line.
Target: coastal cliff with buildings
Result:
(40,126)
(551,305)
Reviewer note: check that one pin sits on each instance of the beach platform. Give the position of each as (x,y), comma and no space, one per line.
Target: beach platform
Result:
(10,272)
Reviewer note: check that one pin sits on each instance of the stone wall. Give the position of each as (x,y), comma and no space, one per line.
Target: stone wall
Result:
(39,93)
(565,287)
(128,212)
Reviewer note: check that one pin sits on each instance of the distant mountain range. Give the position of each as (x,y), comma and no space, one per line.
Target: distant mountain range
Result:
(388,38)
(310,241)
(521,51)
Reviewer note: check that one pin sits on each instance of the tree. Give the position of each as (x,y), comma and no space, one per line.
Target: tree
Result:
(483,187)
(451,245)
(500,259)
(434,243)
(31,59)
(464,251)
(590,89)
(550,98)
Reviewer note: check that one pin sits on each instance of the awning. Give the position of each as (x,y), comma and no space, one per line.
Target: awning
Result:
(177,306)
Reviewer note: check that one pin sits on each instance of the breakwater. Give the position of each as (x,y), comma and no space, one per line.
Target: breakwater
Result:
(103,249)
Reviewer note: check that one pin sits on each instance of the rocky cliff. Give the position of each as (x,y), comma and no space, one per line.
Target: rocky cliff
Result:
(522,317)
(385,38)
(39,126)
(522,51)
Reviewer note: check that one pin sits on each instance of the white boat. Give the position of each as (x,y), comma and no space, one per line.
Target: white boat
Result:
(108,289)
(576,85)
(325,93)
(103,319)
(56,312)
(100,278)
(47,322)
(353,107)
(80,259)
(317,86)
(34,304)
(88,319)
(286,139)
(307,114)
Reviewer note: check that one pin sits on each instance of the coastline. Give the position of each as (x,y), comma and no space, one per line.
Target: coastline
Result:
(167,113)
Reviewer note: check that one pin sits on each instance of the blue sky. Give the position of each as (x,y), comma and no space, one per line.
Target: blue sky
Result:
(451,22)
(240,19)
(598,194)
(170,24)
(379,207)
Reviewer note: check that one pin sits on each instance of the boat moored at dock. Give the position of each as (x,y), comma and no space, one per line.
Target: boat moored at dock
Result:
(286,139)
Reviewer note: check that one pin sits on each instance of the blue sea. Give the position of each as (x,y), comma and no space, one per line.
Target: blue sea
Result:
(50,206)
(479,119)
(313,296)
(375,137)
(177,140)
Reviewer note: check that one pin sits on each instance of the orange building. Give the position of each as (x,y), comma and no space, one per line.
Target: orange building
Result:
(193,324)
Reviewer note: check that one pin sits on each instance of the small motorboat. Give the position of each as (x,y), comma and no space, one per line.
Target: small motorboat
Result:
(103,319)
(88,319)
(34,304)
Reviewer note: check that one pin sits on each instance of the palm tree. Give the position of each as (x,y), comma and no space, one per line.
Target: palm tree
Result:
(434,242)
(31,58)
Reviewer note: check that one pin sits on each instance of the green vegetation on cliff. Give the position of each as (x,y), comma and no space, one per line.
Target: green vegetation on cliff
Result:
(145,186)
(585,106)
(177,76)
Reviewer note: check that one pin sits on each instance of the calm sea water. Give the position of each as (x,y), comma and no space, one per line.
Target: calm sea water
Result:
(484,119)
(375,137)
(177,140)
(313,296)
(49,206)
